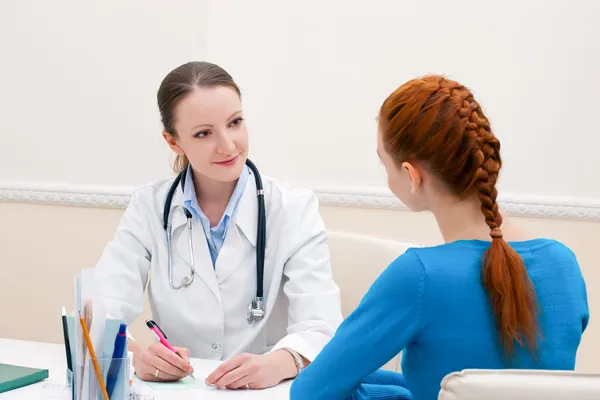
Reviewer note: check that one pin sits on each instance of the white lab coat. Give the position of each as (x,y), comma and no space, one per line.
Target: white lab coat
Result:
(302,303)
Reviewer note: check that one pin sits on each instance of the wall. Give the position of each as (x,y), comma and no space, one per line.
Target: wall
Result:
(80,124)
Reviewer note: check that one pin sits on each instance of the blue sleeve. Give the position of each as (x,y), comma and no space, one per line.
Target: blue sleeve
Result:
(388,319)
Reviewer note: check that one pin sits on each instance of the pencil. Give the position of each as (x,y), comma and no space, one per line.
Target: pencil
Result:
(93,356)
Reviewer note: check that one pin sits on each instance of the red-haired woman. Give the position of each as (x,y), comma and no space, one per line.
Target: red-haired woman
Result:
(490,297)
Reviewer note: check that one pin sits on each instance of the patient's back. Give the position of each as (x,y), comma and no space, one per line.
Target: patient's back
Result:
(458,326)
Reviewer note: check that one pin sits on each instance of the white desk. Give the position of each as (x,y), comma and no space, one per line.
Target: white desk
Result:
(52,357)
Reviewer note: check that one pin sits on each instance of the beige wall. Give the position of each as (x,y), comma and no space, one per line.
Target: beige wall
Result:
(43,246)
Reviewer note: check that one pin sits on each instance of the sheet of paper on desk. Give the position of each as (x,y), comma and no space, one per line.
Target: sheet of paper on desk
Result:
(186,383)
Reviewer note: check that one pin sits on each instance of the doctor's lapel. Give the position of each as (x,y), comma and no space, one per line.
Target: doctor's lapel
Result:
(202,260)
(242,229)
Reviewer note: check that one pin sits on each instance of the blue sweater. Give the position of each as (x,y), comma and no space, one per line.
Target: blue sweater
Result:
(430,304)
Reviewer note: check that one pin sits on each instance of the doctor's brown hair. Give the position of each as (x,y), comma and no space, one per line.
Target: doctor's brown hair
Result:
(181,81)
(437,122)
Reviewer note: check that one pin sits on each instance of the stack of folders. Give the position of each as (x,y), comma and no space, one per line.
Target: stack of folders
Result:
(98,366)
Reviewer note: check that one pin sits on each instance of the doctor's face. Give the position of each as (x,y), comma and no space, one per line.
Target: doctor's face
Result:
(211,132)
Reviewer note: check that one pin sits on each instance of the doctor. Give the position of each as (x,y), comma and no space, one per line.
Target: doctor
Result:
(207,289)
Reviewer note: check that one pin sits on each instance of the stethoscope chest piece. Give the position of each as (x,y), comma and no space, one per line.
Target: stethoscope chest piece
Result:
(256,310)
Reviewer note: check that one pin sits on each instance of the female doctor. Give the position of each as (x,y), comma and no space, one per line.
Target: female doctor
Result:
(199,239)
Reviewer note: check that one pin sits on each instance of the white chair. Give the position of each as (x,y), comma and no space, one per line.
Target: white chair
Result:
(519,385)
(357,260)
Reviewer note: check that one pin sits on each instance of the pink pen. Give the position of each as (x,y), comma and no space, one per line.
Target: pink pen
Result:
(163,339)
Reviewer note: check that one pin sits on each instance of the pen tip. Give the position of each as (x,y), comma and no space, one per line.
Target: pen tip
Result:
(63,311)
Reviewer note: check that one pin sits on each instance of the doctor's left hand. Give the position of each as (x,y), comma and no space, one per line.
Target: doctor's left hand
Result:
(256,371)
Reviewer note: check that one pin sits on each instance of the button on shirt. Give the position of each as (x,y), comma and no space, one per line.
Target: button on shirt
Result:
(215,236)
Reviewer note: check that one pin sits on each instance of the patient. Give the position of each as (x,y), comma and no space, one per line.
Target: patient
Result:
(490,297)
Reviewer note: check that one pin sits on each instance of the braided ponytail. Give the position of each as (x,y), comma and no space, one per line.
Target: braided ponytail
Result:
(437,121)
(504,276)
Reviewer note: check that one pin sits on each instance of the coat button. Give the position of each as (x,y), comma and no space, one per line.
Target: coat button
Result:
(214,346)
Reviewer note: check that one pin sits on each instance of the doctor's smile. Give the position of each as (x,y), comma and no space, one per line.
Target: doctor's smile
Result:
(229,162)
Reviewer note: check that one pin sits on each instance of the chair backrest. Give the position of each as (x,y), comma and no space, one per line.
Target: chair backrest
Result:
(519,385)
(357,260)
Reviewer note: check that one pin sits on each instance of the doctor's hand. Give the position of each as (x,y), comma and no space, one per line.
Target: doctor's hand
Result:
(158,364)
(255,371)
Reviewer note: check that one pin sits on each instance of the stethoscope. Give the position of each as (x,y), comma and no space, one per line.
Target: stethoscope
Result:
(256,308)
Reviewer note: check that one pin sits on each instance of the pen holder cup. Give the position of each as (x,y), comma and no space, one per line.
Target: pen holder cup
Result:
(115,377)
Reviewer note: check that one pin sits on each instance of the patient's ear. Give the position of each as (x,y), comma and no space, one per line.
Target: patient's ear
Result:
(172,142)
(414,175)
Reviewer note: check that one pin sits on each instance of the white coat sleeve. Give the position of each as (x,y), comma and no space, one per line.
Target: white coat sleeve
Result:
(314,299)
(122,271)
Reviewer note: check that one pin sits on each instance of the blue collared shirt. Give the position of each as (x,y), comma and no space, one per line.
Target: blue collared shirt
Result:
(215,236)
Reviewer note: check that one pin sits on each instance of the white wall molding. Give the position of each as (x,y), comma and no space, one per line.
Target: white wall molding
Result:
(65,195)
(118,197)
(514,204)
